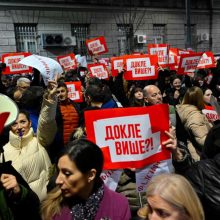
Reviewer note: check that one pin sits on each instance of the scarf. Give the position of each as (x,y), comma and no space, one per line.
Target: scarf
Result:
(87,210)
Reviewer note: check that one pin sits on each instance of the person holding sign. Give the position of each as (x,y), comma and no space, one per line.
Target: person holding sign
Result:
(153,96)
(27,152)
(80,192)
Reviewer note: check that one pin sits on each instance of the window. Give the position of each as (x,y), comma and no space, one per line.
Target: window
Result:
(125,38)
(193,36)
(26,37)
(159,33)
(81,32)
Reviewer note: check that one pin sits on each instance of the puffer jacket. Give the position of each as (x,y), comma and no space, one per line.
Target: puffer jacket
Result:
(28,154)
(194,122)
(205,179)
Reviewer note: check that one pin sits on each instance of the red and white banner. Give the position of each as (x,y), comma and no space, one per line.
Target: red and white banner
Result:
(207,61)
(211,114)
(49,68)
(173,58)
(12,63)
(111,178)
(67,61)
(97,46)
(143,176)
(3,118)
(129,137)
(161,50)
(142,67)
(117,64)
(188,63)
(98,70)
(105,61)
(75,91)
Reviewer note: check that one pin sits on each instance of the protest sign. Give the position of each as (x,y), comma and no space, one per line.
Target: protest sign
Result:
(141,67)
(81,60)
(173,58)
(207,61)
(75,91)
(188,63)
(96,46)
(12,63)
(67,61)
(111,178)
(117,64)
(105,61)
(129,137)
(161,50)
(3,118)
(143,176)
(211,114)
(48,67)
(98,70)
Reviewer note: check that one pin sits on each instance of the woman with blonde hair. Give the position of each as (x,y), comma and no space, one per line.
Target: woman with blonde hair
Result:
(194,123)
(171,197)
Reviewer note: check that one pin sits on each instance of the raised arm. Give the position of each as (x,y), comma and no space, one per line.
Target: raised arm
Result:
(47,126)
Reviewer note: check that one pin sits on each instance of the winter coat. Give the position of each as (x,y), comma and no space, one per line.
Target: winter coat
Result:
(113,206)
(15,207)
(68,112)
(205,179)
(127,187)
(194,122)
(204,175)
(25,207)
(28,154)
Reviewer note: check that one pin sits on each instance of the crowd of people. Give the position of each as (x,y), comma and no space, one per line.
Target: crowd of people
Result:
(54,171)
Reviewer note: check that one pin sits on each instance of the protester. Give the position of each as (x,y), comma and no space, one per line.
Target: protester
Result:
(31,100)
(81,194)
(170,196)
(207,93)
(194,121)
(23,83)
(18,201)
(108,101)
(204,175)
(27,152)
(153,96)
(136,98)
(174,95)
(5,83)
(67,113)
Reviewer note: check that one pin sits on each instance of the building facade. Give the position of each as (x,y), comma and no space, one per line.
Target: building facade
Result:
(58,27)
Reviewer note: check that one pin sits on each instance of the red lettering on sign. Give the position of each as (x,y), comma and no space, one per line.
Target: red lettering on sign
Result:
(133,147)
(122,131)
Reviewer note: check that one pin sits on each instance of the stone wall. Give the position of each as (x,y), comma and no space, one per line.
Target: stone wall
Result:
(103,23)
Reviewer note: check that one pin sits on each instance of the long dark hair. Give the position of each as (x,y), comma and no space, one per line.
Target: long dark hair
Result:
(86,155)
